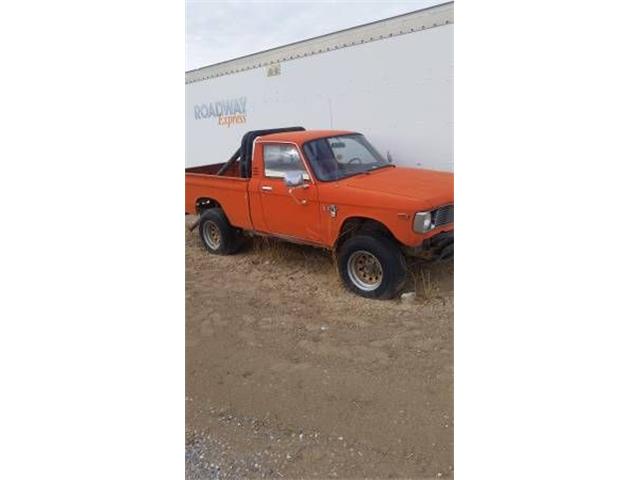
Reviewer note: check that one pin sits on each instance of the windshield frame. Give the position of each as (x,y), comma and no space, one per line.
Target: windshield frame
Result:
(367,145)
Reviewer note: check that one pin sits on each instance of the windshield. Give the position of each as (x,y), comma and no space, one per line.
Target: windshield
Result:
(333,158)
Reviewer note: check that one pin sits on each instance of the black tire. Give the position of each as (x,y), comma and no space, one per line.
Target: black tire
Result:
(228,239)
(390,260)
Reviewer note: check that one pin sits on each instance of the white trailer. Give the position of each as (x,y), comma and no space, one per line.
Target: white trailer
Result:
(391,80)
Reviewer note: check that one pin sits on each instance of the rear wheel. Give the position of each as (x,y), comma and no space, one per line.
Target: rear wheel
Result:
(372,266)
(217,235)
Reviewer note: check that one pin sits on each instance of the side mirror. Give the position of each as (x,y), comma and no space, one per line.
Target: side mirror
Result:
(389,157)
(293,179)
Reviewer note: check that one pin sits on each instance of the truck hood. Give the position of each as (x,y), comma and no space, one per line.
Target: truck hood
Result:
(429,188)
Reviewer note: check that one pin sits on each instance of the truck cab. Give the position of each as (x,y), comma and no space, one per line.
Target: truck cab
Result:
(331,189)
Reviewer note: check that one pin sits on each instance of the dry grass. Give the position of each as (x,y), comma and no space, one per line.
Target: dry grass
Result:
(424,286)
(432,282)
(280,251)
(424,278)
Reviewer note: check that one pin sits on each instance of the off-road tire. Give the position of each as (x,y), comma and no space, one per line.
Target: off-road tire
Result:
(390,258)
(228,240)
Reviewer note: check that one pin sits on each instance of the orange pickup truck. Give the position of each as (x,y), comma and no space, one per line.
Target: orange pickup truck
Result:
(330,189)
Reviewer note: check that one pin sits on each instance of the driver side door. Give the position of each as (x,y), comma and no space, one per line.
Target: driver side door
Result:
(292,212)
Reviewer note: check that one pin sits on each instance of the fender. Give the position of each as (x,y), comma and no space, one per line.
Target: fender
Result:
(346,225)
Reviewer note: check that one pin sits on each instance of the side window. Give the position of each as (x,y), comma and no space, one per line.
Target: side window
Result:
(348,150)
(281,158)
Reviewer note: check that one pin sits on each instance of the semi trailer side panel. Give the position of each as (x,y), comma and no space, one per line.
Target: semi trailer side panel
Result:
(398,91)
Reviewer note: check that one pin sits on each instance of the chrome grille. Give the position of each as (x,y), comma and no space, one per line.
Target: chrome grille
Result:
(443,216)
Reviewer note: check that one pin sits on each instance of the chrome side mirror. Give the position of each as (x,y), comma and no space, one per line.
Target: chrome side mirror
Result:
(293,179)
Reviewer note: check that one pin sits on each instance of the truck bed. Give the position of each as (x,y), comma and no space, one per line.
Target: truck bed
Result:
(233,171)
(228,190)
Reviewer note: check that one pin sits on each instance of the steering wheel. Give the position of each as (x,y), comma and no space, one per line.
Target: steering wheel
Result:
(355,160)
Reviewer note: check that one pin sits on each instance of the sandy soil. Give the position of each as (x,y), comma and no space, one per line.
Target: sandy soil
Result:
(290,376)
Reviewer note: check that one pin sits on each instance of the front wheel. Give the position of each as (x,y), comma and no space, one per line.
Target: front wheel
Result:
(372,266)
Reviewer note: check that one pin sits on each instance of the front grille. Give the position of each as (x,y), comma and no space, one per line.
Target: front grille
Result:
(443,216)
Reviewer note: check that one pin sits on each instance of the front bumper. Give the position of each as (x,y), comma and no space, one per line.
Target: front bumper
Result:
(438,247)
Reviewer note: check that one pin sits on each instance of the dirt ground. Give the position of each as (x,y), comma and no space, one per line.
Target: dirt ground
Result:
(290,376)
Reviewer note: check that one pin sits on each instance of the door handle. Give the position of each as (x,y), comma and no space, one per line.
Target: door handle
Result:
(266,188)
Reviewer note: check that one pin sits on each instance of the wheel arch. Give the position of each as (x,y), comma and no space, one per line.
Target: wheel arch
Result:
(204,203)
(359,225)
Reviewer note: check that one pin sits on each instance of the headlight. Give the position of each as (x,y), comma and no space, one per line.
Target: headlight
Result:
(422,222)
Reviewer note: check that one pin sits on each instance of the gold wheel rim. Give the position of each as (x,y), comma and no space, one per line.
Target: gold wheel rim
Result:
(365,270)
(212,235)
